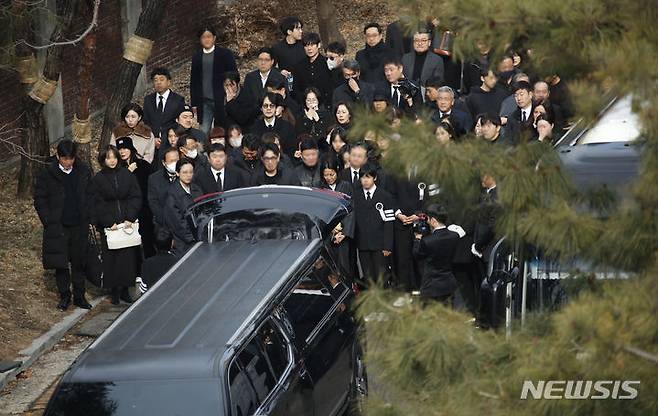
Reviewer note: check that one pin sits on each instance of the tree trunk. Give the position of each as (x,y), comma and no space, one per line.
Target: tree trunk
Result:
(327,22)
(82,124)
(147,27)
(35,140)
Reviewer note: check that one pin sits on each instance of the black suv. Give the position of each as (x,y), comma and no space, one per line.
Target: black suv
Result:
(253,320)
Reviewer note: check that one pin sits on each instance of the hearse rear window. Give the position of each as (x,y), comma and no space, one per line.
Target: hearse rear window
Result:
(263,224)
(138,398)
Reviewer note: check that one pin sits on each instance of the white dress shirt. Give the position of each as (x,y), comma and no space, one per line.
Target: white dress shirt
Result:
(371,191)
(263,78)
(165,96)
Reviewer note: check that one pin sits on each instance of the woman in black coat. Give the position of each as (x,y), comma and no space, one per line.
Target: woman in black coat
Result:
(315,120)
(139,167)
(116,199)
(181,195)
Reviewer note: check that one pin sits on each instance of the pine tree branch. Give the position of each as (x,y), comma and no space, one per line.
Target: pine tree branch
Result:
(92,25)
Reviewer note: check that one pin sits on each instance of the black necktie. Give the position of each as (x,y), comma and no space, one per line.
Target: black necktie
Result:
(356,178)
(367,195)
(523,117)
(220,186)
(396,96)
(161,104)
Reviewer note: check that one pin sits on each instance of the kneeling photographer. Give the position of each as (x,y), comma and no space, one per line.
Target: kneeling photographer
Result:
(434,249)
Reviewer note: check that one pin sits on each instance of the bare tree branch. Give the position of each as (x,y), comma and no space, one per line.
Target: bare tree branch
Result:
(92,24)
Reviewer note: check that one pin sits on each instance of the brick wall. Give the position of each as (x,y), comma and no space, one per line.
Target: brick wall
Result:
(173,47)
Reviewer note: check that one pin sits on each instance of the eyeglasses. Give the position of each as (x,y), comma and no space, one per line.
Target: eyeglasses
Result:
(269,106)
(421,40)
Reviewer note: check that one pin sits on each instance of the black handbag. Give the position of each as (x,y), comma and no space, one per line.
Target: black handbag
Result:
(94,259)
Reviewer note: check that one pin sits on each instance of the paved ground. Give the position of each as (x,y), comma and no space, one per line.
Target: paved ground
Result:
(29,393)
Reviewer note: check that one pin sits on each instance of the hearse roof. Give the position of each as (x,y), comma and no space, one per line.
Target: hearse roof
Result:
(182,326)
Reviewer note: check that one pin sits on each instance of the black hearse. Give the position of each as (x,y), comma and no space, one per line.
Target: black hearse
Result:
(253,320)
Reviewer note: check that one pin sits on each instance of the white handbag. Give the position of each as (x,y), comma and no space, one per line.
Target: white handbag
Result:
(123,236)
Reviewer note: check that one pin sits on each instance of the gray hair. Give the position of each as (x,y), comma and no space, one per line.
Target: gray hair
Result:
(520,75)
(447,89)
(352,65)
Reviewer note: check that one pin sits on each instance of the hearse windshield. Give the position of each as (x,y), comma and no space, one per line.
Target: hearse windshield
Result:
(262,224)
(138,398)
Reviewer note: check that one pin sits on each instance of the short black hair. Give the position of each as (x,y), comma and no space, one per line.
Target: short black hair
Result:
(434,82)
(275,83)
(233,76)
(492,118)
(102,155)
(371,25)
(251,142)
(271,96)
(392,60)
(437,212)
(484,71)
(448,127)
(313,90)
(369,169)
(182,162)
(521,85)
(169,150)
(182,139)
(67,148)
(270,137)
(269,146)
(134,107)
(267,50)
(216,147)
(289,23)
(336,47)
(362,144)
(308,144)
(206,28)
(311,38)
(161,70)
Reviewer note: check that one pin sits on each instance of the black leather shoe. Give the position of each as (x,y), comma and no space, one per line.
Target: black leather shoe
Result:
(64,303)
(115,296)
(125,296)
(82,303)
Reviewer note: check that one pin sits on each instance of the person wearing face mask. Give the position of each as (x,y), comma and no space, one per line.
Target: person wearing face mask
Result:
(181,195)
(335,53)
(116,200)
(141,169)
(133,126)
(61,200)
(234,134)
(190,149)
(158,187)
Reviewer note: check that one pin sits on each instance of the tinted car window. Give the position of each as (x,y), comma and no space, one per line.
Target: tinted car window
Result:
(263,224)
(137,398)
(257,369)
(312,299)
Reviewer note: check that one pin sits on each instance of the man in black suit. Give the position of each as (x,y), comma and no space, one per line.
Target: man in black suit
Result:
(372,57)
(521,120)
(443,99)
(436,251)
(399,96)
(218,176)
(159,183)
(162,107)
(374,234)
(358,158)
(207,94)
(270,123)
(278,87)
(352,89)
(312,71)
(484,236)
(255,81)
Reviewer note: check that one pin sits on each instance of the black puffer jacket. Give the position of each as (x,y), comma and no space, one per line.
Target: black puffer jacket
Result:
(49,203)
(116,197)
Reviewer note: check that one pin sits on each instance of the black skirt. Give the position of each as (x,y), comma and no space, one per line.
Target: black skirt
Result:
(120,265)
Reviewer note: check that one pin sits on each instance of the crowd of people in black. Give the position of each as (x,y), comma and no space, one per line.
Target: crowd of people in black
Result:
(288,123)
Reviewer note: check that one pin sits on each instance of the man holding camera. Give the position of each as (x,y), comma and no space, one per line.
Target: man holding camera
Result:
(403,94)
(436,250)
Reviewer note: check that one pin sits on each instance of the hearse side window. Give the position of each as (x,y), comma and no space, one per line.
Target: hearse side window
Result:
(315,296)
(257,368)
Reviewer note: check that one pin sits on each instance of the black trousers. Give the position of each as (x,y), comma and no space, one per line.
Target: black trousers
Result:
(74,274)
(374,266)
(405,272)
(469,279)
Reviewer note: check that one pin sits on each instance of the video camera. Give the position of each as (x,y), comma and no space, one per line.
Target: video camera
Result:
(408,88)
(422,225)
